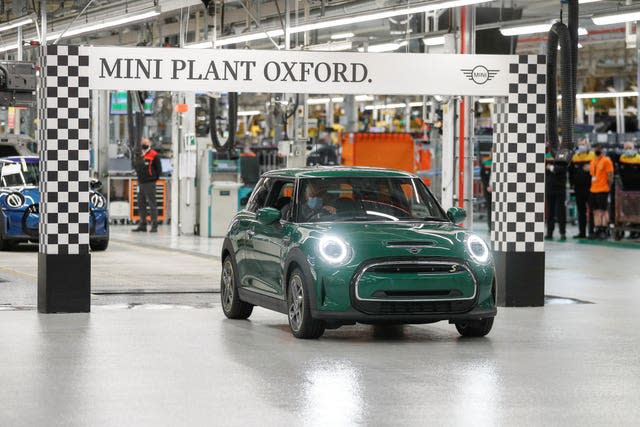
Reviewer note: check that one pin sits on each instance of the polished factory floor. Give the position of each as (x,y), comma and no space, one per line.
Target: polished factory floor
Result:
(574,362)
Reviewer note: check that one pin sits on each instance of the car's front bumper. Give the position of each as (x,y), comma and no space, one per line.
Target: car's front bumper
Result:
(352,315)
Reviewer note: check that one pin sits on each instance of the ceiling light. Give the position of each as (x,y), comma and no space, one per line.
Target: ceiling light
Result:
(341,36)
(331,47)
(330,23)
(385,106)
(249,113)
(433,41)
(519,30)
(318,101)
(590,95)
(416,104)
(363,98)
(486,100)
(15,23)
(248,37)
(525,29)
(620,16)
(201,45)
(104,24)
(383,47)
(8,47)
(587,1)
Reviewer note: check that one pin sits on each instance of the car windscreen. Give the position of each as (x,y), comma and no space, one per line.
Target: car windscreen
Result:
(366,199)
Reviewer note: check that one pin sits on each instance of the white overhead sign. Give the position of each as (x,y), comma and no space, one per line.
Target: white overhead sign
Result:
(235,70)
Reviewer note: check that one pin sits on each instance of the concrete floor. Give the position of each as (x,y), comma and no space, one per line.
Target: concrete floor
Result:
(157,364)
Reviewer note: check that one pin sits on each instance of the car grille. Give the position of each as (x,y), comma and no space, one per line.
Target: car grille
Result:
(435,301)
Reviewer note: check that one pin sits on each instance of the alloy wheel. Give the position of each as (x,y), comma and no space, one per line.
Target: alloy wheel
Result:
(227,285)
(296,302)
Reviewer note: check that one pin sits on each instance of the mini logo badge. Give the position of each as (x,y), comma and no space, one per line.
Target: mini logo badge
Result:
(480,74)
(414,251)
(14,200)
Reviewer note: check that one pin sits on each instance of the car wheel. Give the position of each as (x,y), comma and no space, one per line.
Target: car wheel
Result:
(302,324)
(99,245)
(475,328)
(232,306)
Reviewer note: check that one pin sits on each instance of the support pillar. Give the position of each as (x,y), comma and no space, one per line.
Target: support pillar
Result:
(518,181)
(64,262)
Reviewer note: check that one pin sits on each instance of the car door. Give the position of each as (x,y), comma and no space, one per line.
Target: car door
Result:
(270,240)
(247,270)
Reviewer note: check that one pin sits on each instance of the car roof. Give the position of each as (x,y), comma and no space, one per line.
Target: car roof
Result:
(339,171)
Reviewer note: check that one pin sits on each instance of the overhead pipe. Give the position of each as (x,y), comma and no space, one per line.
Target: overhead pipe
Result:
(559,33)
(567,37)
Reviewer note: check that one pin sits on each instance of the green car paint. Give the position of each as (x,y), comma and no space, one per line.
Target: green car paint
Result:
(390,265)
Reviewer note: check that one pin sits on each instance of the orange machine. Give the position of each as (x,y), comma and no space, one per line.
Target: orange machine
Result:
(387,150)
(161,199)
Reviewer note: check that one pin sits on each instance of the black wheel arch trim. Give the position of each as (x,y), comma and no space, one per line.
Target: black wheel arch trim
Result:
(299,258)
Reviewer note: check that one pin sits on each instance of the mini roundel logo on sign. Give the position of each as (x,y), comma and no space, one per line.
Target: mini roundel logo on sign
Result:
(480,74)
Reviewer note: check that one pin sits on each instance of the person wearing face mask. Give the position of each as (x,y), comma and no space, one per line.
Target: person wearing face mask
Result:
(148,169)
(601,170)
(580,179)
(313,205)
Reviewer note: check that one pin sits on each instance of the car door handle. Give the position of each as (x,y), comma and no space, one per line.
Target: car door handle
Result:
(251,233)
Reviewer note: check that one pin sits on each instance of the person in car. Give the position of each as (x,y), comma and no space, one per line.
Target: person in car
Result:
(314,202)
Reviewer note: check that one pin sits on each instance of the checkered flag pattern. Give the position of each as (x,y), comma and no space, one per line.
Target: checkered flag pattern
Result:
(518,165)
(63,115)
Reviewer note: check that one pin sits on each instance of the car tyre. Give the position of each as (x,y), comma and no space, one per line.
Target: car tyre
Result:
(99,245)
(302,324)
(232,306)
(475,328)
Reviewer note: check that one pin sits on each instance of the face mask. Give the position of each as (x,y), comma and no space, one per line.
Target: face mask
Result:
(598,152)
(630,153)
(314,203)
(145,148)
(582,148)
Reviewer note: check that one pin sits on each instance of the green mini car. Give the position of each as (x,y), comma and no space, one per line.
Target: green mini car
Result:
(332,246)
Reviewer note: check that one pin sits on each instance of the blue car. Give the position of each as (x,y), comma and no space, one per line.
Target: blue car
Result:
(19,205)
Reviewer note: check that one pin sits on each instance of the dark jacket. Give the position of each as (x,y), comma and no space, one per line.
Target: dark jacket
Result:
(579,175)
(555,175)
(149,167)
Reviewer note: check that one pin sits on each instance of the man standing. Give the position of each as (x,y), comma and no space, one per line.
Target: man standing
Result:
(148,169)
(601,170)
(580,179)
(556,196)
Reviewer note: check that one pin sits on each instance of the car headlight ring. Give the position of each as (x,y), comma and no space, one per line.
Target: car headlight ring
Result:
(14,200)
(478,249)
(333,250)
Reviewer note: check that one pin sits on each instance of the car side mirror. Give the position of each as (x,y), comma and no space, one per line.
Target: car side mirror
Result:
(268,215)
(456,215)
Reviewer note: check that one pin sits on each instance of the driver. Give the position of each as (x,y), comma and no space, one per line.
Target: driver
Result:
(314,202)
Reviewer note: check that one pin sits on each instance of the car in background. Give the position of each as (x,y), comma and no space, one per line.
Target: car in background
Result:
(332,246)
(20,205)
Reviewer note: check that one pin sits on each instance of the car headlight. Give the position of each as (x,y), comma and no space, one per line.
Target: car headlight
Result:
(97,200)
(333,249)
(478,249)
(14,200)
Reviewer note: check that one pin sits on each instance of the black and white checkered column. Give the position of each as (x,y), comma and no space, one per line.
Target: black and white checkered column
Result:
(518,181)
(64,264)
